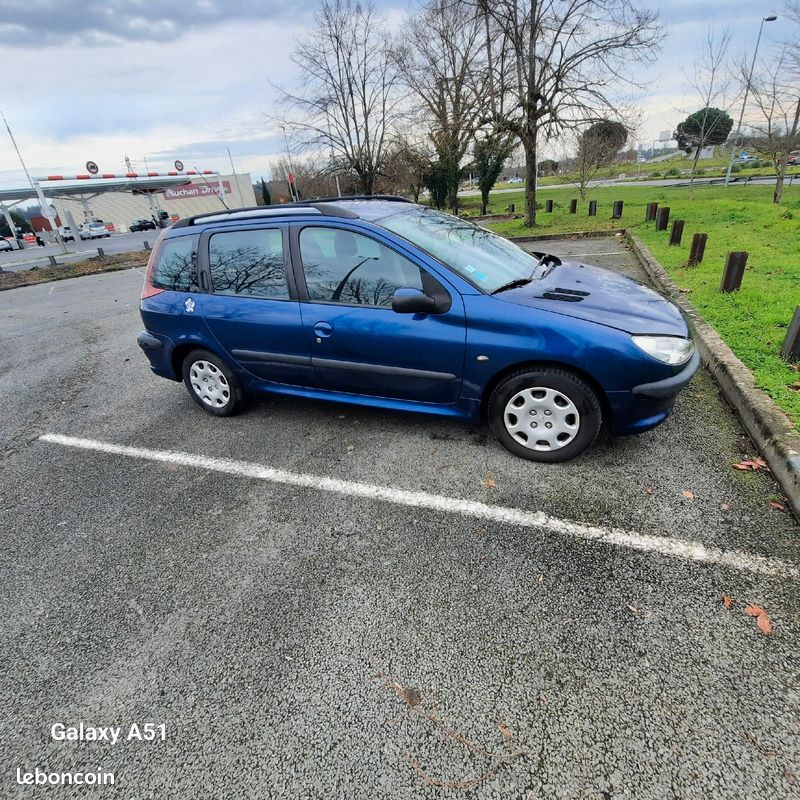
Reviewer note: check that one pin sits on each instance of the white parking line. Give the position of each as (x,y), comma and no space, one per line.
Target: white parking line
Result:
(663,545)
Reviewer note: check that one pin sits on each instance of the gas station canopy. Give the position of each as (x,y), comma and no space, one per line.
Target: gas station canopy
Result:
(77,185)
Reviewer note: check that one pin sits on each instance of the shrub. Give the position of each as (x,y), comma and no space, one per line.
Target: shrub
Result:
(736,168)
(700,173)
(672,172)
(655,174)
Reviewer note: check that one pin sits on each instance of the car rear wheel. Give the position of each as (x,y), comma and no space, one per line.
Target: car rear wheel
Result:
(212,384)
(545,414)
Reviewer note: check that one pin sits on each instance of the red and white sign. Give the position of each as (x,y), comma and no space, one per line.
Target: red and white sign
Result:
(196,190)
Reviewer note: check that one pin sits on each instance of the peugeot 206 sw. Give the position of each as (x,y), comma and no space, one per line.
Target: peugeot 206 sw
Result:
(382,302)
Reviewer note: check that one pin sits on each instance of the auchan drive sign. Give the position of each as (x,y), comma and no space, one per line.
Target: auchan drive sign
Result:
(196,190)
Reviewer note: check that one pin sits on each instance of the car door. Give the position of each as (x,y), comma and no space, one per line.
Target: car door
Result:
(358,344)
(250,305)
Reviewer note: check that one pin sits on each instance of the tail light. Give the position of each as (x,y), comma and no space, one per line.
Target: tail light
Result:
(148,290)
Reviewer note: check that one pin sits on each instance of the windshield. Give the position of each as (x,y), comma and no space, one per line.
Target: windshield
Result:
(485,259)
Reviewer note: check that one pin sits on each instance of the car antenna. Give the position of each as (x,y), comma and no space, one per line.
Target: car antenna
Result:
(217,192)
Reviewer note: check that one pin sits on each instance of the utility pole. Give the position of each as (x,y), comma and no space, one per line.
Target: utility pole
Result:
(46,209)
(770,18)
(236,180)
(292,187)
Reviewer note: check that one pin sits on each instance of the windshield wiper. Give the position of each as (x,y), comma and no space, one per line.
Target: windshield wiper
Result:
(515,284)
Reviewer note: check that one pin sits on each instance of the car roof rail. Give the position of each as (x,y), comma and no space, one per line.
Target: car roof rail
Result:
(320,205)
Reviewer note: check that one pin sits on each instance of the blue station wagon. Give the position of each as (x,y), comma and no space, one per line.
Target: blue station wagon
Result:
(381,302)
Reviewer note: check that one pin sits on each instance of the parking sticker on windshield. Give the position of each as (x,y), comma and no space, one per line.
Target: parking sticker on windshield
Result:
(475,274)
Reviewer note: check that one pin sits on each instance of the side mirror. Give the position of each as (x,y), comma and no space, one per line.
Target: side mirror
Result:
(413,301)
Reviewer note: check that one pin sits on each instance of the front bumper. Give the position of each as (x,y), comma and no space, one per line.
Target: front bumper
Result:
(669,387)
(647,405)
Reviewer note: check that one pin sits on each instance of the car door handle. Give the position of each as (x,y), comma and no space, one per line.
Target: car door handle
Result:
(322,330)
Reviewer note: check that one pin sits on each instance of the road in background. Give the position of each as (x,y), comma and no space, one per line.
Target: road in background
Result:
(34,255)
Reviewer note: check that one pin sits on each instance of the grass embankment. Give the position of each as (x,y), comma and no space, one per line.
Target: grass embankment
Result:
(28,277)
(753,321)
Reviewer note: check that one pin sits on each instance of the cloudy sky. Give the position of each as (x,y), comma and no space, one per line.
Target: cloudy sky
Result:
(160,80)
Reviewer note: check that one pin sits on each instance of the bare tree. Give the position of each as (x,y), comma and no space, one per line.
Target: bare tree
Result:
(441,58)
(711,79)
(312,175)
(776,131)
(349,101)
(565,64)
(405,167)
(596,148)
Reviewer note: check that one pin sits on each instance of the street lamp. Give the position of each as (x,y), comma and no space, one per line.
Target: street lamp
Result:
(770,18)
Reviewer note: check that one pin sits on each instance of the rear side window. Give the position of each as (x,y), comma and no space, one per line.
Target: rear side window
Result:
(248,263)
(176,268)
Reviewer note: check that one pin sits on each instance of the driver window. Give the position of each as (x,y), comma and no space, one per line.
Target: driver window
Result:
(345,267)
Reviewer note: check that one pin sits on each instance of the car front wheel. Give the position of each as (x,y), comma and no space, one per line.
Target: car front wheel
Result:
(212,384)
(546,414)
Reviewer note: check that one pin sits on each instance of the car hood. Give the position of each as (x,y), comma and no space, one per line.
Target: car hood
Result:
(600,295)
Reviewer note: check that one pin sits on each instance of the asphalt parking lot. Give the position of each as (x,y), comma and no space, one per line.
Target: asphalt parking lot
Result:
(79,250)
(476,626)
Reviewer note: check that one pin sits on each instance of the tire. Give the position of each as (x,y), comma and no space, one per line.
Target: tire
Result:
(525,403)
(212,384)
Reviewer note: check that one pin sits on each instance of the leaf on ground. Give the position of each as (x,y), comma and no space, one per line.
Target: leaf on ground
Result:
(504,729)
(777,506)
(650,490)
(751,464)
(408,694)
(634,609)
(688,494)
(794,387)
(724,507)
(762,620)
(489,483)
(727,601)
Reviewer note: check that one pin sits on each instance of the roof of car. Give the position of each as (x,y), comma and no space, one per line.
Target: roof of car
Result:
(369,208)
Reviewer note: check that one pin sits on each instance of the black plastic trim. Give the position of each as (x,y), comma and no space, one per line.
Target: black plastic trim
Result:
(275,358)
(147,341)
(669,386)
(381,369)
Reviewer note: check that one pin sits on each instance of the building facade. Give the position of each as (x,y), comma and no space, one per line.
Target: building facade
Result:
(197,196)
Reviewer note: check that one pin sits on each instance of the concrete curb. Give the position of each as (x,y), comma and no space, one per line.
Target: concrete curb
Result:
(770,429)
(544,237)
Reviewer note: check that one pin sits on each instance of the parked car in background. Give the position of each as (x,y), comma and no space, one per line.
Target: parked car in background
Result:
(5,244)
(516,179)
(384,303)
(67,233)
(93,230)
(142,225)
(794,158)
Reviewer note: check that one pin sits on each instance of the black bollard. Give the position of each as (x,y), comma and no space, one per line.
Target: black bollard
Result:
(548,206)
(677,232)
(617,212)
(734,272)
(573,206)
(650,212)
(790,349)
(662,218)
(593,208)
(698,249)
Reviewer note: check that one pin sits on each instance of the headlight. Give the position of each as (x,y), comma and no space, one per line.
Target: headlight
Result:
(669,349)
